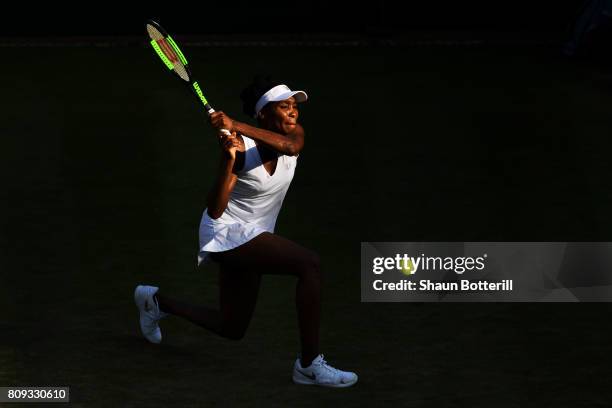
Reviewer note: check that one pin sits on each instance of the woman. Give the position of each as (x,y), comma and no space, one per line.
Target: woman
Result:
(237,231)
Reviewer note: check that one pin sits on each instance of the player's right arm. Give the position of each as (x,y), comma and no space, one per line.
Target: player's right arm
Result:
(219,194)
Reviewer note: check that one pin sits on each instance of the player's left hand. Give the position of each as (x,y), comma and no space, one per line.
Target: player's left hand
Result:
(220,120)
(229,144)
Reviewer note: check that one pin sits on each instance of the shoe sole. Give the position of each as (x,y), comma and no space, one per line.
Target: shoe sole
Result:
(301,381)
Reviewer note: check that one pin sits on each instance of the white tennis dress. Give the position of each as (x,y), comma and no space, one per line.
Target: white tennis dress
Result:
(253,205)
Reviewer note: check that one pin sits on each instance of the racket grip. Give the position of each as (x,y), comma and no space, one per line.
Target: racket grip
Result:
(210,110)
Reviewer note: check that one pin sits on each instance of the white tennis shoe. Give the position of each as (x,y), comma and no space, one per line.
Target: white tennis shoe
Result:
(149,312)
(321,373)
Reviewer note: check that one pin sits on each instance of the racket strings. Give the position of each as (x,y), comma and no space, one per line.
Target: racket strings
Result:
(168,51)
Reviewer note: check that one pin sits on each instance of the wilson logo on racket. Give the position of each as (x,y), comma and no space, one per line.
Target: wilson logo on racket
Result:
(170,53)
(196,86)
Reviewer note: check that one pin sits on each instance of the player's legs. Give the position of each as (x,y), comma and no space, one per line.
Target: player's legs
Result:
(240,275)
(238,295)
(272,254)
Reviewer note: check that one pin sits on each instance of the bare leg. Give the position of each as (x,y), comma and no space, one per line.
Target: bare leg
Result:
(273,254)
(238,295)
(202,316)
(241,270)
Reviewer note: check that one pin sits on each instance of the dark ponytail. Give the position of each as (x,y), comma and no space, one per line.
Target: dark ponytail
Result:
(251,94)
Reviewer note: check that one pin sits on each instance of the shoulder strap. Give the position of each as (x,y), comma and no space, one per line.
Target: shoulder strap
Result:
(250,156)
(248,142)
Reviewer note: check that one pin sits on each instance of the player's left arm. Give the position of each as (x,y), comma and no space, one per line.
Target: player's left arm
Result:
(290,144)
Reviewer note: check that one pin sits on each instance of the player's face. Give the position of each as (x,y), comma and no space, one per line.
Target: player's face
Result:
(282,116)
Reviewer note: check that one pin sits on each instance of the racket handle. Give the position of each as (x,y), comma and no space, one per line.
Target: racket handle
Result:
(210,110)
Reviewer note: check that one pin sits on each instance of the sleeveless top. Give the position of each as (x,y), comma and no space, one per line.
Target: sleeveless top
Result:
(253,205)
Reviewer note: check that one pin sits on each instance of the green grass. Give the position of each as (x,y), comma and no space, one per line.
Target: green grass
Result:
(106,163)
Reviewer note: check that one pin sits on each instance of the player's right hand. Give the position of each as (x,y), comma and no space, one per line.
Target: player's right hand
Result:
(229,145)
(220,120)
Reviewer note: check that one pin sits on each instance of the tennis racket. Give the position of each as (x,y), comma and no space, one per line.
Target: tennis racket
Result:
(170,54)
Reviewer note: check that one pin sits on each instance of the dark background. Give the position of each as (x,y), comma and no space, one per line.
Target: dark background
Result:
(372,17)
(106,161)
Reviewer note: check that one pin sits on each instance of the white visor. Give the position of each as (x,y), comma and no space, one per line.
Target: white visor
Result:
(279,93)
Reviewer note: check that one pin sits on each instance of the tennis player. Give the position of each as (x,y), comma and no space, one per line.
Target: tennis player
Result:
(237,231)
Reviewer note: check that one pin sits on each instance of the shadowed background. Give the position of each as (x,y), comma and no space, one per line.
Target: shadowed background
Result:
(106,161)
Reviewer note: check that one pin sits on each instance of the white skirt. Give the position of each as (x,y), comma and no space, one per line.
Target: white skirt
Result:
(218,236)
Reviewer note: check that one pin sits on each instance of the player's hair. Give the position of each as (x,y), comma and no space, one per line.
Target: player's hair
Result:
(251,94)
